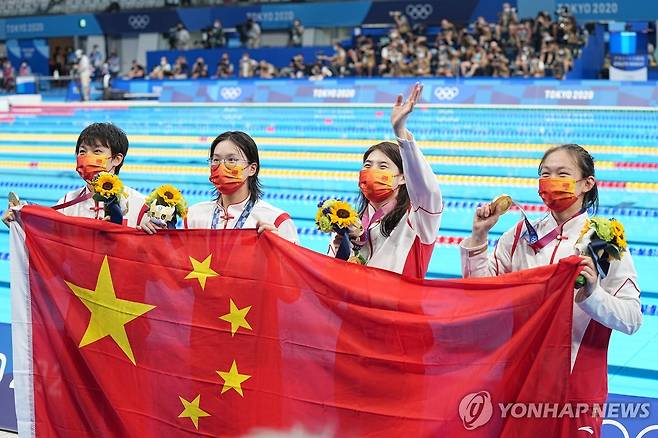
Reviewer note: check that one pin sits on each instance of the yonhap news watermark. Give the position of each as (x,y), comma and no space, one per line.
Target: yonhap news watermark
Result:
(477,409)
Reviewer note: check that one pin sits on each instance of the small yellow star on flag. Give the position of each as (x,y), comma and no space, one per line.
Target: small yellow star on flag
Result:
(237,317)
(233,379)
(201,271)
(192,410)
(109,314)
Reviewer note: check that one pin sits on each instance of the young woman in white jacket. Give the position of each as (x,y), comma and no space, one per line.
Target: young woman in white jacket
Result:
(567,185)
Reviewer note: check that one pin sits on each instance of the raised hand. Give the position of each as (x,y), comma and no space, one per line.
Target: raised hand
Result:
(401,111)
(485,218)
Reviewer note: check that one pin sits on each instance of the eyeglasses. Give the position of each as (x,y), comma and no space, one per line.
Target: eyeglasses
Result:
(228,162)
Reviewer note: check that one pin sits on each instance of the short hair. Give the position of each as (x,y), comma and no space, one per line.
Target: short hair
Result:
(107,134)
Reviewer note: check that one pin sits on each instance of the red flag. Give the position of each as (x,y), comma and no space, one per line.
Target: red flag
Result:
(220,333)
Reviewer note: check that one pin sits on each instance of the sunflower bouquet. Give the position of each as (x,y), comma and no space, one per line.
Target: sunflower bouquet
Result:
(604,240)
(108,189)
(166,204)
(336,216)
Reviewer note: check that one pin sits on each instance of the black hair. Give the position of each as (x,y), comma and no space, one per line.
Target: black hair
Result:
(392,218)
(108,135)
(248,147)
(585,163)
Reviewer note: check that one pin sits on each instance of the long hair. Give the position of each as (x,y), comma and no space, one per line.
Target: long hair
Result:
(248,147)
(586,165)
(390,221)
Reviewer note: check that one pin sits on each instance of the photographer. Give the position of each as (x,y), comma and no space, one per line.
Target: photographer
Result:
(266,70)
(401,22)
(337,62)
(136,71)
(171,37)
(499,64)
(247,66)
(444,66)
(508,16)
(224,67)
(182,37)
(298,67)
(216,36)
(250,33)
(181,69)
(295,34)
(200,69)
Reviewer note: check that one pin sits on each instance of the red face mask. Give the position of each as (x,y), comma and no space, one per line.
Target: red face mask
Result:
(558,193)
(88,166)
(227,181)
(375,184)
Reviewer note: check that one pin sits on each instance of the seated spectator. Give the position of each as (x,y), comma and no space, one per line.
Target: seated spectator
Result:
(562,64)
(266,70)
(200,69)
(652,56)
(522,62)
(8,76)
(162,70)
(24,69)
(136,71)
(498,62)
(446,62)
(422,58)
(367,56)
(114,64)
(181,69)
(247,66)
(316,73)
(224,67)
(339,60)
(298,67)
(536,67)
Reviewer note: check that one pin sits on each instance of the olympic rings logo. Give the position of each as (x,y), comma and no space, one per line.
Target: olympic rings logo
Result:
(139,21)
(446,93)
(230,93)
(621,428)
(419,11)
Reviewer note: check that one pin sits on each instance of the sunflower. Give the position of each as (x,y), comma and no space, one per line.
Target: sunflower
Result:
(585,229)
(169,194)
(342,214)
(108,185)
(619,234)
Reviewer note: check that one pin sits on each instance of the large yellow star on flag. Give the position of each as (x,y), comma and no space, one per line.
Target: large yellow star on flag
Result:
(109,314)
(201,271)
(237,317)
(192,410)
(233,379)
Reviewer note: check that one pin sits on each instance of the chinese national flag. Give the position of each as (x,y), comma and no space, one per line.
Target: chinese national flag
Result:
(225,333)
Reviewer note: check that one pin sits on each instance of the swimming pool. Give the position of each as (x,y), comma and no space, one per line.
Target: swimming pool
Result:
(310,153)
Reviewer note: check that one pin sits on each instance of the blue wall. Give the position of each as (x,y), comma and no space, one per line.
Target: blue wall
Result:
(591,60)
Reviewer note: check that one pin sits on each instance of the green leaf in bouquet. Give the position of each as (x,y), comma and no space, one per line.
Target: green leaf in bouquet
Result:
(324,224)
(603,228)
